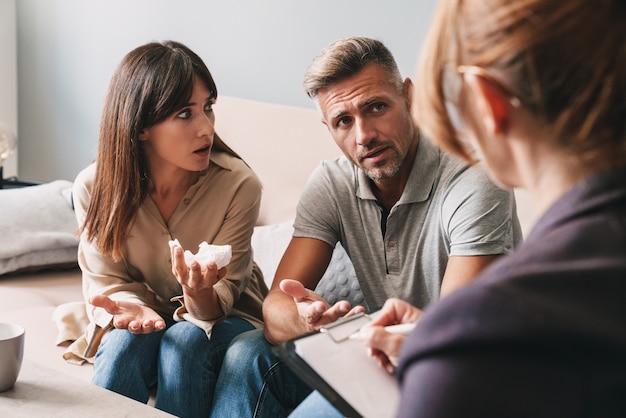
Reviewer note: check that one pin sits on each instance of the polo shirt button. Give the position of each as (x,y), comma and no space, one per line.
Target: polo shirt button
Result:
(392,244)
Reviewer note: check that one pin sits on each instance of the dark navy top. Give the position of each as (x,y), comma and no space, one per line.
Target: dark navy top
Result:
(540,333)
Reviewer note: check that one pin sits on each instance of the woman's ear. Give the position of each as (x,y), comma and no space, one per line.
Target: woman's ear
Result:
(143,135)
(492,104)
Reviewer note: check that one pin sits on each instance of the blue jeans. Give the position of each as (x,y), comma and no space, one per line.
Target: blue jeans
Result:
(315,405)
(180,360)
(253,382)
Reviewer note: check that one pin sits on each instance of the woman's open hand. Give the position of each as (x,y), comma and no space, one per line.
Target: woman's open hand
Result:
(136,318)
(194,278)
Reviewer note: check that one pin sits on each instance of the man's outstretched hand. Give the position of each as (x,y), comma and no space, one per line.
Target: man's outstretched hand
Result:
(313,309)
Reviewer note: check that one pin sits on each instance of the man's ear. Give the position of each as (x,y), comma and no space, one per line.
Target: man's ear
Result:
(407,90)
(492,104)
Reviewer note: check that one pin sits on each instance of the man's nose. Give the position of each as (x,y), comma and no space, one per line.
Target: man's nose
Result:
(364,132)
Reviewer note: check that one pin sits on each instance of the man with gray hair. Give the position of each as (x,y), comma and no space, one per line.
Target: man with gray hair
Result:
(416,223)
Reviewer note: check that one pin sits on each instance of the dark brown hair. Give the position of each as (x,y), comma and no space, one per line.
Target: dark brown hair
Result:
(151,82)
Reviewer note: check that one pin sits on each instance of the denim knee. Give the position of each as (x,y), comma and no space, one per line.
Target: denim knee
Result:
(253,382)
(189,364)
(183,346)
(248,348)
(126,363)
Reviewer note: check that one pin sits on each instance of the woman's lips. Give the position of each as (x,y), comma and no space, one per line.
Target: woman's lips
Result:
(203,150)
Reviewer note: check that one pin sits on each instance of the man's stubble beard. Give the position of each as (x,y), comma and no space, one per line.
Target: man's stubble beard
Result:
(387,170)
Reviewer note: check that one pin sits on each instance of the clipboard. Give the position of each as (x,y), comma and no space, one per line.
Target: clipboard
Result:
(341,370)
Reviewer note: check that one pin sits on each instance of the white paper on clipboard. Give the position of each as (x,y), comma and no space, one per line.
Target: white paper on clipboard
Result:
(344,364)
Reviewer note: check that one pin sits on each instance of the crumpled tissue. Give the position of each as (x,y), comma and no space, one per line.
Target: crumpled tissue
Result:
(218,254)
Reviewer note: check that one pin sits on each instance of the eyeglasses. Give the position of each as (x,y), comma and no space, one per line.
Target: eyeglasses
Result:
(503,85)
(453,91)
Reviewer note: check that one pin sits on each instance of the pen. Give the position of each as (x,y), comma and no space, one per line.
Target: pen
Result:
(403,329)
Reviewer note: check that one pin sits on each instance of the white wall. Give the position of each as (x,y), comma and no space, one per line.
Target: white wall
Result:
(256,49)
(8,77)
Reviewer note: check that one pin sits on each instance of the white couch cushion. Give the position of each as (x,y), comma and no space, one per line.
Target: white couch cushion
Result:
(338,283)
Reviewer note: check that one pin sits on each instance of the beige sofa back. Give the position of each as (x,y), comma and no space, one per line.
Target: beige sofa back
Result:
(282,144)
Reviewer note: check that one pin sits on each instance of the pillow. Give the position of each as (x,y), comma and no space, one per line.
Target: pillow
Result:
(269,242)
(38,228)
(339,281)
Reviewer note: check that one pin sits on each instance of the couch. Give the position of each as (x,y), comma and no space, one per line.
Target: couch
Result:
(281,143)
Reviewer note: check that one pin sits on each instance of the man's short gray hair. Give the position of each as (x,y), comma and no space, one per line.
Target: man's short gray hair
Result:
(346,57)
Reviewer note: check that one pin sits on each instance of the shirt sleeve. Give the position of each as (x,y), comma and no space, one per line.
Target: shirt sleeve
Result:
(101,275)
(479,218)
(317,210)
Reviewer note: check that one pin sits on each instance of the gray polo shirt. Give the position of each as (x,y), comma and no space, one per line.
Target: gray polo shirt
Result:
(447,209)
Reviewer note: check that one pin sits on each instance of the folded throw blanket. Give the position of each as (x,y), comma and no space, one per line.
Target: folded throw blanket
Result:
(37,227)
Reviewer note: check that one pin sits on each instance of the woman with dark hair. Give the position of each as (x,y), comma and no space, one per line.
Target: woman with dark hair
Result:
(161,174)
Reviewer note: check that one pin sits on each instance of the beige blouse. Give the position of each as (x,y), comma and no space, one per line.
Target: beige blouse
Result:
(221,208)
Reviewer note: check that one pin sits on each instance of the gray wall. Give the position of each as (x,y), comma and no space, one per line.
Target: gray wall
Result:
(256,49)
(8,78)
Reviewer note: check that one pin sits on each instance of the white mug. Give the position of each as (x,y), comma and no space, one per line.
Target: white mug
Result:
(11,354)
